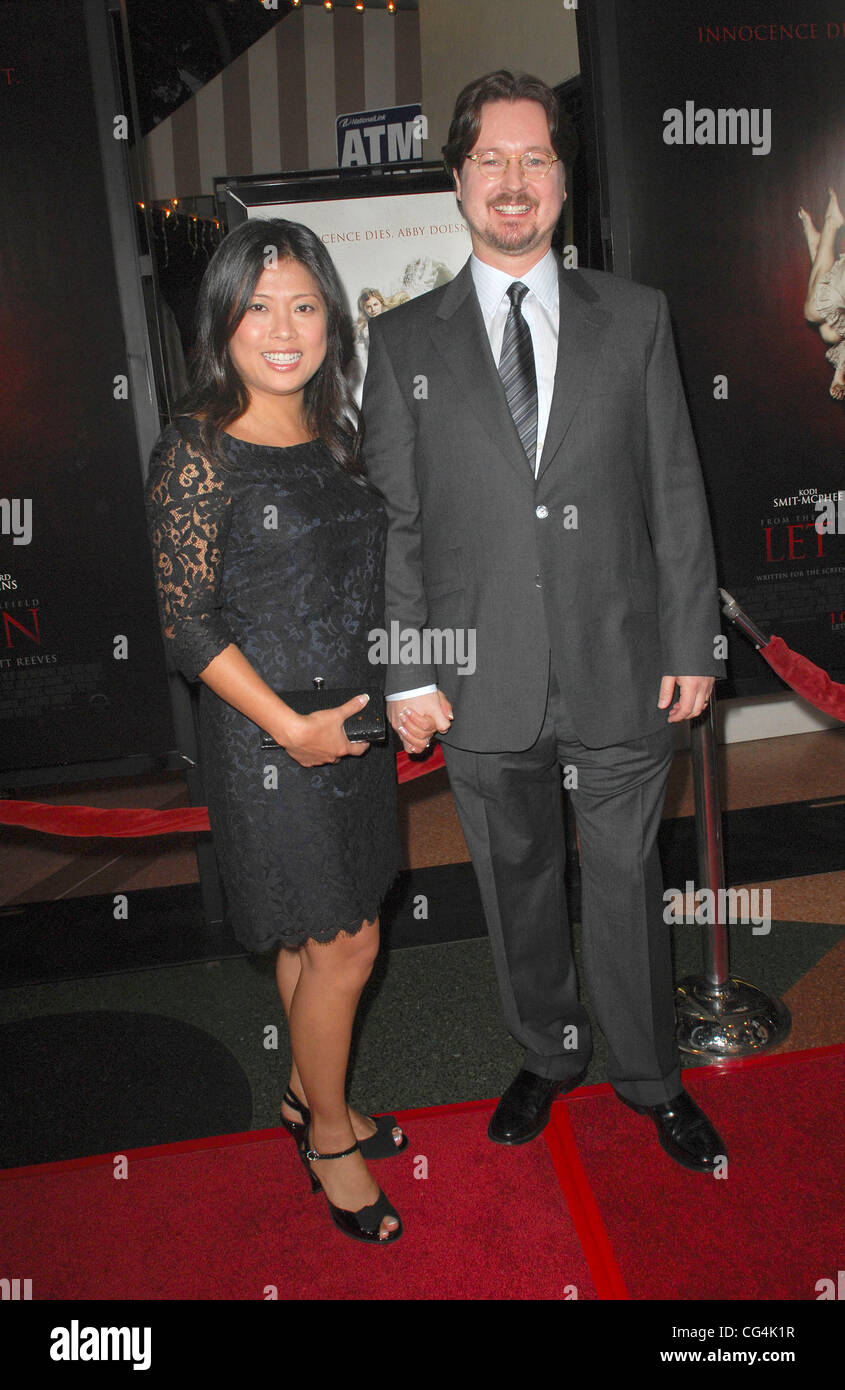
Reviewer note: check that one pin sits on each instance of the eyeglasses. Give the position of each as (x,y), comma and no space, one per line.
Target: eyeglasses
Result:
(534,164)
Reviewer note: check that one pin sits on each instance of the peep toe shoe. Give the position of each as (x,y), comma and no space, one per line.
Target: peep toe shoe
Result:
(363,1225)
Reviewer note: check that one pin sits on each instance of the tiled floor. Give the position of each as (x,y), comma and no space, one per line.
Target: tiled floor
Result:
(37,868)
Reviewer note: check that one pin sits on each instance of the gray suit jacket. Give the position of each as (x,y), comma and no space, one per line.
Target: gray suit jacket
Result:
(605,560)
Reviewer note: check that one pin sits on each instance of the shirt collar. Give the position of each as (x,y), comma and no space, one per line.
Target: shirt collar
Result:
(491,284)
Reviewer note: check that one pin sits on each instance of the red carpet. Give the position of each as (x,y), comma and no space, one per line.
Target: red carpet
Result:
(597,1211)
(770,1230)
(226,1222)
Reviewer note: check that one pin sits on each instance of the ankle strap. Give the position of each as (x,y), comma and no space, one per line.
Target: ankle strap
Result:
(313,1155)
(293,1101)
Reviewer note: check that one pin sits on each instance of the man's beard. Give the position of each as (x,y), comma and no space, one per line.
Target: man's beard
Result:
(520,239)
(513,238)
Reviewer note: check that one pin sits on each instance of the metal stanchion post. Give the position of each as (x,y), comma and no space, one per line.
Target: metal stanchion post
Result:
(719,1016)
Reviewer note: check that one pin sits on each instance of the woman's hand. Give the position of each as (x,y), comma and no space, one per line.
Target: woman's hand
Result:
(311,739)
(418,718)
(314,739)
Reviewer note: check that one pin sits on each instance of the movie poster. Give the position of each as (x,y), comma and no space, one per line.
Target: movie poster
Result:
(386,250)
(725,141)
(82,675)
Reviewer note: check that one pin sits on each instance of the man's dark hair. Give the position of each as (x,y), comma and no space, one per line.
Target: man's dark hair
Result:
(505,86)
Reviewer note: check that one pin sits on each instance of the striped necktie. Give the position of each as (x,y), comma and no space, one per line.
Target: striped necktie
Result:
(516,368)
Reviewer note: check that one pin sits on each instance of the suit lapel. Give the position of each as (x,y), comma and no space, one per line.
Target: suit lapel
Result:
(582,328)
(459,335)
(458,332)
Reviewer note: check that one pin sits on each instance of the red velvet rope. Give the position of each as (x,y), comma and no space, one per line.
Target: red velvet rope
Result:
(125,822)
(807,680)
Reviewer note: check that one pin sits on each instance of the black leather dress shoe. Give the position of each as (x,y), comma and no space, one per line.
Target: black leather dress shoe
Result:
(523,1112)
(684,1132)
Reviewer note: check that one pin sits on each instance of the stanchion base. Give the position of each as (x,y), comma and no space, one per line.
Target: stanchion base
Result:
(734,1019)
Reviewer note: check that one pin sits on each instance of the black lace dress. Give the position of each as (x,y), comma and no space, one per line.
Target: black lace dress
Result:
(282,553)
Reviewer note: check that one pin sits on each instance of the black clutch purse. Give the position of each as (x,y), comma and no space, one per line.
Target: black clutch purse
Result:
(369,725)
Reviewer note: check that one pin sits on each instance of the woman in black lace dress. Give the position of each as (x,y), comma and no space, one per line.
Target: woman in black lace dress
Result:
(269,552)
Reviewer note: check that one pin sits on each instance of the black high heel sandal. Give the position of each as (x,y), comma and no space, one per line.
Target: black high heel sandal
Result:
(295,1128)
(378,1145)
(361,1225)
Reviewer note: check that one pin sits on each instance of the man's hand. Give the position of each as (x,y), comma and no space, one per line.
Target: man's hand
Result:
(416,719)
(695,692)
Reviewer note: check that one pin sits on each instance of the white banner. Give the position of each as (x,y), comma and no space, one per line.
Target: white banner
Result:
(386,249)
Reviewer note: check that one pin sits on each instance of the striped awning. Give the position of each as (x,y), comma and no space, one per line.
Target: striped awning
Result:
(274,108)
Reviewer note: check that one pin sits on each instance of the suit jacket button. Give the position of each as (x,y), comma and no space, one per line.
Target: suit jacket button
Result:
(541,511)
(538,581)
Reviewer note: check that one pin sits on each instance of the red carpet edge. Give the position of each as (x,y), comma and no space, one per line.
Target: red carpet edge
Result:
(253,1136)
(575,1185)
(583,1208)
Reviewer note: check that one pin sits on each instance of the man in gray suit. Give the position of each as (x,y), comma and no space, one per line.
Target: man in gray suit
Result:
(527,427)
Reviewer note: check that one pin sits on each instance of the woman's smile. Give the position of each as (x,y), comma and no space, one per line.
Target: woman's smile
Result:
(286,311)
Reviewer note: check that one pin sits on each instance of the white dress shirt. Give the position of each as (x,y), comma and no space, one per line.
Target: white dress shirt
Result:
(541,311)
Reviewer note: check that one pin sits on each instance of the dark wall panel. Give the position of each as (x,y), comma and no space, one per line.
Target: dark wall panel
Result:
(714,223)
(75,566)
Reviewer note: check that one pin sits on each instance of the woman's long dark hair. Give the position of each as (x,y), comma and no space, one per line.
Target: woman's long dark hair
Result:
(216,392)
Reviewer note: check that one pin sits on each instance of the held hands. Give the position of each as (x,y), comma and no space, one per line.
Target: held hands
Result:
(695,692)
(313,739)
(417,719)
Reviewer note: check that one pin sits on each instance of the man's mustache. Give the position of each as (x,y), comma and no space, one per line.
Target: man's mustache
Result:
(511,202)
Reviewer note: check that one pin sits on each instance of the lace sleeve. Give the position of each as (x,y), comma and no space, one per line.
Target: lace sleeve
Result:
(189,512)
